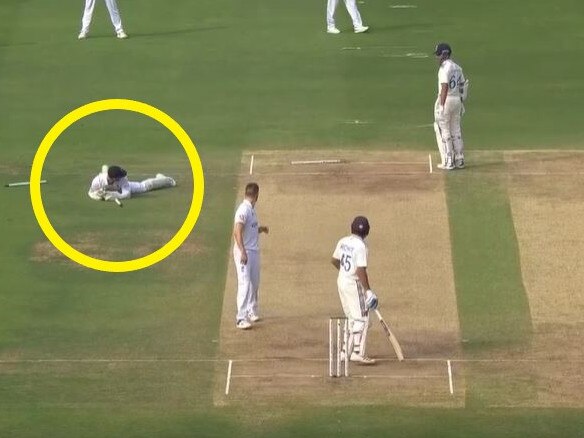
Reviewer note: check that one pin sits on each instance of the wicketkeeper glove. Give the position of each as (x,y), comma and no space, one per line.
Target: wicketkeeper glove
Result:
(110,196)
(371,300)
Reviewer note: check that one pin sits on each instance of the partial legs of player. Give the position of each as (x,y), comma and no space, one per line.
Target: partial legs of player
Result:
(351,6)
(159,182)
(247,288)
(114,13)
(458,144)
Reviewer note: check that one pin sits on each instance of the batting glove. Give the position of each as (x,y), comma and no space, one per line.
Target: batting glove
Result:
(371,300)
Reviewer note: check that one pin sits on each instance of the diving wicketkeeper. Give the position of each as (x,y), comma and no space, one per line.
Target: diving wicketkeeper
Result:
(112,183)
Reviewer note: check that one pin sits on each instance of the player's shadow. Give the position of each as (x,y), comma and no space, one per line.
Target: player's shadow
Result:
(399,27)
(176,32)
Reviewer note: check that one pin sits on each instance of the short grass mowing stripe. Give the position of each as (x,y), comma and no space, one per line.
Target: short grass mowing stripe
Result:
(492,303)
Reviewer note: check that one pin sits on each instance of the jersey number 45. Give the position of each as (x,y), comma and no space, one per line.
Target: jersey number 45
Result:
(346,262)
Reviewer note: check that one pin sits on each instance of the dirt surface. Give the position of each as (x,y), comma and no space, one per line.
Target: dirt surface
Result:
(548,211)
(308,207)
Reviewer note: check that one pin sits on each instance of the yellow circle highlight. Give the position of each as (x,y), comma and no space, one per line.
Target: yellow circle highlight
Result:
(128,265)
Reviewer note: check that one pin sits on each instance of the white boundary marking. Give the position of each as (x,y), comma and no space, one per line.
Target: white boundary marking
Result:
(413,55)
(450,381)
(430,162)
(356,122)
(228,382)
(251,166)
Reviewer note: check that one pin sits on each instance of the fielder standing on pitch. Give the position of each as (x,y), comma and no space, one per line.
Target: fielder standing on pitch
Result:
(350,259)
(449,108)
(112,7)
(246,255)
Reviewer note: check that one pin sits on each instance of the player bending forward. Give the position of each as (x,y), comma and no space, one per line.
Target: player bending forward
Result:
(449,108)
(350,258)
(112,183)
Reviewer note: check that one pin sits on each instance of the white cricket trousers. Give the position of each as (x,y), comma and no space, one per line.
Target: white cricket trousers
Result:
(352,298)
(351,8)
(248,282)
(448,129)
(114,12)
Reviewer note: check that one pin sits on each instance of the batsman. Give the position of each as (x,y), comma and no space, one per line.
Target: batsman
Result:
(449,108)
(357,298)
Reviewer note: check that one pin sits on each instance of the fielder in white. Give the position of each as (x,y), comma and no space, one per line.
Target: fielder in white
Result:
(350,258)
(246,255)
(351,6)
(112,183)
(112,7)
(449,108)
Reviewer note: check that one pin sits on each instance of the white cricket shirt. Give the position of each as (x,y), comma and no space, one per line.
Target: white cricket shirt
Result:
(352,252)
(246,215)
(450,73)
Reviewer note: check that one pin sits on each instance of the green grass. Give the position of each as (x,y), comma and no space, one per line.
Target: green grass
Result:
(240,75)
(492,303)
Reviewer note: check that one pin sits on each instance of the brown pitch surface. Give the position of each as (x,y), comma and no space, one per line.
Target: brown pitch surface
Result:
(284,358)
(547,201)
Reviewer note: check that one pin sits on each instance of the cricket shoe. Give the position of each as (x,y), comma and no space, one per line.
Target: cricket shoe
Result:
(171,181)
(82,35)
(448,166)
(361,29)
(121,35)
(459,164)
(243,324)
(333,30)
(253,317)
(363,360)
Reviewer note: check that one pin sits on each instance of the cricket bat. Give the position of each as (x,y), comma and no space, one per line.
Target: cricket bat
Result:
(394,343)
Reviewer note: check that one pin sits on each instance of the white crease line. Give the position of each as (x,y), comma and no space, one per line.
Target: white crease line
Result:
(430,162)
(342,173)
(450,381)
(228,383)
(251,166)
(403,6)
(299,162)
(285,359)
(314,376)
(350,48)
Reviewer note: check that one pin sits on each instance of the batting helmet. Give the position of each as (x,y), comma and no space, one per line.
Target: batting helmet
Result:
(116,172)
(443,49)
(360,226)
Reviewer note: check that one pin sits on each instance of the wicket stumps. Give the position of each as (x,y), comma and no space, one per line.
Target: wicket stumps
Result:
(338,340)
